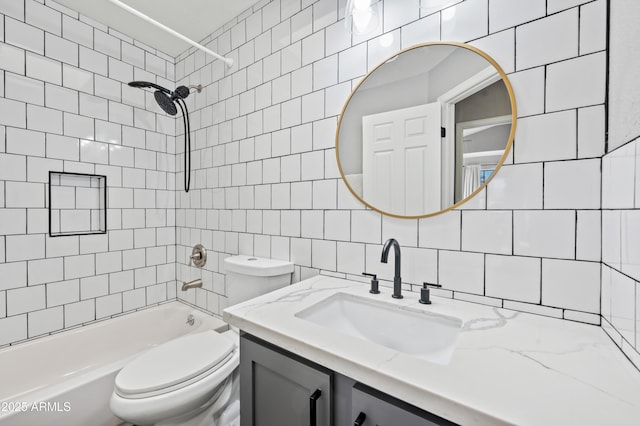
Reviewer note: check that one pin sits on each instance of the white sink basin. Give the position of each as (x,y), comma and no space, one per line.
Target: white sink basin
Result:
(411,331)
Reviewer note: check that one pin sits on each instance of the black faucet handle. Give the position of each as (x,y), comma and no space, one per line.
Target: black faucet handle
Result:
(374,283)
(426,284)
(425,297)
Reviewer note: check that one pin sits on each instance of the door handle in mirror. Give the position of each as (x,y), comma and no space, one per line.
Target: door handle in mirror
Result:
(312,406)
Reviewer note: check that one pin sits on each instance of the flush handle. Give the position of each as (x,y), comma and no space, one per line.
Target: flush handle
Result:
(360,419)
(312,406)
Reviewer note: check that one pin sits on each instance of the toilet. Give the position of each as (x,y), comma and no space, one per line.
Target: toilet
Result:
(193,380)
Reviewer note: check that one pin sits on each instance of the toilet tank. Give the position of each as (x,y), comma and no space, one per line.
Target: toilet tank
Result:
(251,276)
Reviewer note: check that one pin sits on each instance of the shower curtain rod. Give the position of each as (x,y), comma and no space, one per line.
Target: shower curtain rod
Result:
(139,14)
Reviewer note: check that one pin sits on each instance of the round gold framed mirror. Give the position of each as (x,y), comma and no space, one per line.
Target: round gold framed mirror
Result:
(426,130)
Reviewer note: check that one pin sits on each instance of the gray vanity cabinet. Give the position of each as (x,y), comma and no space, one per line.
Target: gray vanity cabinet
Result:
(370,407)
(279,390)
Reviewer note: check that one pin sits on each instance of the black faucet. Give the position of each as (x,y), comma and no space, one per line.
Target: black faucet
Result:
(397,281)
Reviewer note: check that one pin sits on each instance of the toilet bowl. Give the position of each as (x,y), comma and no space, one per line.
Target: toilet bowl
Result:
(193,380)
(184,376)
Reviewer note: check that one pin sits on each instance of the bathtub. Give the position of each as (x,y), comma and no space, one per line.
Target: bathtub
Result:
(67,378)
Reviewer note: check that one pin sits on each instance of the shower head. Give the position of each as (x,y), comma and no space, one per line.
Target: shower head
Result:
(147,84)
(165,102)
(164,96)
(181,91)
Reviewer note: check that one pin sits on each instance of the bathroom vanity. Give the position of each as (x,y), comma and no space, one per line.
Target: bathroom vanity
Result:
(481,365)
(280,388)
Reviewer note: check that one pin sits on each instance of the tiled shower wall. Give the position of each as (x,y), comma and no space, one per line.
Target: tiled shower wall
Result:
(621,186)
(265,180)
(267,184)
(65,106)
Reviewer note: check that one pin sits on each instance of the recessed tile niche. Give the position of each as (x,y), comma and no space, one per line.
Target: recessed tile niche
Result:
(77,204)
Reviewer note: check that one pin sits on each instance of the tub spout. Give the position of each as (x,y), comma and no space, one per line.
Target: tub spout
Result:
(192,284)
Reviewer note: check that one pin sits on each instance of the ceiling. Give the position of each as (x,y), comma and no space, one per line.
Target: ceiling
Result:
(195,19)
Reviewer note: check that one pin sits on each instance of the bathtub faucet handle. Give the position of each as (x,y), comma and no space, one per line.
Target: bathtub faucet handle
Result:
(198,256)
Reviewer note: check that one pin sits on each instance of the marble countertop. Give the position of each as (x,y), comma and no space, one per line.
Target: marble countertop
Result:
(508,367)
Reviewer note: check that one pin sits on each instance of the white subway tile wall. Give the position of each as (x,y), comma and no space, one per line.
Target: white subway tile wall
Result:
(620,300)
(62,108)
(267,178)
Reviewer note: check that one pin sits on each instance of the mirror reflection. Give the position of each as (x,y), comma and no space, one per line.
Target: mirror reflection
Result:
(426,130)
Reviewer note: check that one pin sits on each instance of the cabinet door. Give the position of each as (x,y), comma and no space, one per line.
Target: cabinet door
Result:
(370,407)
(276,389)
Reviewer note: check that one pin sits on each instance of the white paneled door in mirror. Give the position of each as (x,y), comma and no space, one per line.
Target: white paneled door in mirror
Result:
(426,129)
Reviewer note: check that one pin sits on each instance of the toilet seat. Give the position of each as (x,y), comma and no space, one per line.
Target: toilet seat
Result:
(174,364)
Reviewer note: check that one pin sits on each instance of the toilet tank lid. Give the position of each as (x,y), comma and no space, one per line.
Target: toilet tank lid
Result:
(257,266)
